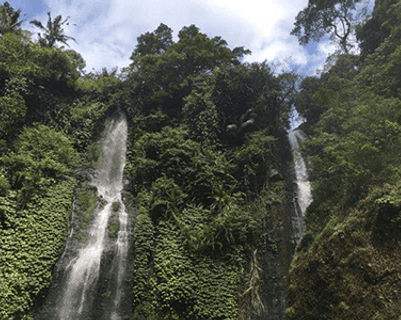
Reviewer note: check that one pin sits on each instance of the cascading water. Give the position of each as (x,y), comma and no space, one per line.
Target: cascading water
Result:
(122,252)
(83,291)
(288,227)
(303,196)
(83,271)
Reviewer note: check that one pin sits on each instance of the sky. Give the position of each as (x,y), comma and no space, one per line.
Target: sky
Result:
(107,30)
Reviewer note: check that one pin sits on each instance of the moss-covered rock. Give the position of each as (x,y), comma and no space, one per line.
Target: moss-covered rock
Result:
(350,270)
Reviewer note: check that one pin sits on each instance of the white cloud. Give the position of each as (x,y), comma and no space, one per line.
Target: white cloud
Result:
(106,30)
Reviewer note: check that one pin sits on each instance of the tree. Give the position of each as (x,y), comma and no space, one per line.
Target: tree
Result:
(53,31)
(163,71)
(12,116)
(156,42)
(9,19)
(333,17)
(77,59)
(372,33)
(202,54)
(200,113)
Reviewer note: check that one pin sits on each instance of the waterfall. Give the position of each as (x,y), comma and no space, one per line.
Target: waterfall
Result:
(82,272)
(288,227)
(122,252)
(303,196)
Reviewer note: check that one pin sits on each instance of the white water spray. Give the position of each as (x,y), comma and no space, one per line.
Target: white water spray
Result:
(303,197)
(122,252)
(83,271)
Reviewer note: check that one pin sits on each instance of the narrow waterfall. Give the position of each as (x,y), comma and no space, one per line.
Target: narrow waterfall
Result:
(91,277)
(302,197)
(83,271)
(288,226)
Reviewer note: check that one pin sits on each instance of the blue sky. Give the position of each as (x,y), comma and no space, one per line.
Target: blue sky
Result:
(106,30)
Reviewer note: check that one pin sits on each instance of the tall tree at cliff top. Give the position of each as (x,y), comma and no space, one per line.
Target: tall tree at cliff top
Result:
(372,33)
(167,69)
(335,17)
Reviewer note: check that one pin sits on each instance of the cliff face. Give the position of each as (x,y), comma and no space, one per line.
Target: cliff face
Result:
(86,205)
(274,260)
(351,269)
(276,254)
(210,274)
(348,266)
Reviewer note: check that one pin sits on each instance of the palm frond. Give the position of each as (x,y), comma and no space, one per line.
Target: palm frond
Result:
(54,31)
(38,24)
(49,21)
(9,19)
(56,21)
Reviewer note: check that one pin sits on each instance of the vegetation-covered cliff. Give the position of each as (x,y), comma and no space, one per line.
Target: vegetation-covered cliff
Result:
(203,161)
(348,265)
(207,180)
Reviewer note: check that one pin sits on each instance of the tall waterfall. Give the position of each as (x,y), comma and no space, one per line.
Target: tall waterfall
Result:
(76,296)
(303,196)
(288,227)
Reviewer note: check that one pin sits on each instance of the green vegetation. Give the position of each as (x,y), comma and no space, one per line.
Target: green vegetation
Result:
(31,240)
(201,160)
(337,18)
(9,19)
(114,227)
(205,131)
(347,265)
(206,134)
(53,31)
(42,154)
(116,206)
(87,202)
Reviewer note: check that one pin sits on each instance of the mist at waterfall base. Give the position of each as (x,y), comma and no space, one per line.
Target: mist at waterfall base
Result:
(92,278)
(302,194)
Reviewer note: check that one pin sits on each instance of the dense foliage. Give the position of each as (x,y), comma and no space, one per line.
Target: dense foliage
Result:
(353,114)
(203,178)
(46,141)
(205,134)
(336,18)
(205,131)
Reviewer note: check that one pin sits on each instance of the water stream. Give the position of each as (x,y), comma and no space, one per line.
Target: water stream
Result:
(82,272)
(303,196)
